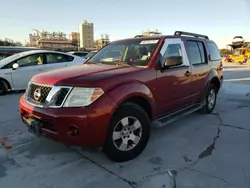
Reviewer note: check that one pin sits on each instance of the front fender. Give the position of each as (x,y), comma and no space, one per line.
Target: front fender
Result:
(128,90)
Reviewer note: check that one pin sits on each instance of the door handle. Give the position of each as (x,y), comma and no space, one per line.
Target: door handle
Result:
(187,73)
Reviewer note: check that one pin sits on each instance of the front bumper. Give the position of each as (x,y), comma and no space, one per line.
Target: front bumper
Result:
(59,124)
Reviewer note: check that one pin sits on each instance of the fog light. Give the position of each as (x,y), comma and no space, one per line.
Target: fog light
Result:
(73,130)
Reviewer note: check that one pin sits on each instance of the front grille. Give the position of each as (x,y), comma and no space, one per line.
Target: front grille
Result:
(47,96)
(42,89)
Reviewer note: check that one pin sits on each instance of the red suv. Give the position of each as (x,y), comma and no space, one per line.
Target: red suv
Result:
(113,99)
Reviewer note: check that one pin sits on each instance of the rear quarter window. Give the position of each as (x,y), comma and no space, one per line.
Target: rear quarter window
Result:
(213,51)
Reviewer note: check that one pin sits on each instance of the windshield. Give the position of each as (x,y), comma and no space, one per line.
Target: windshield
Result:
(136,52)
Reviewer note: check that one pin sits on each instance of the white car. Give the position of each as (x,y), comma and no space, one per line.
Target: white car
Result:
(17,70)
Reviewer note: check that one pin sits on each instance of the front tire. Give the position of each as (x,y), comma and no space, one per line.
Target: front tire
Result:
(210,99)
(128,133)
(3,88)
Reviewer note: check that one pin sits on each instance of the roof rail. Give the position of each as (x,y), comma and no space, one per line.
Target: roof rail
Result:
(180,33)
(137,36)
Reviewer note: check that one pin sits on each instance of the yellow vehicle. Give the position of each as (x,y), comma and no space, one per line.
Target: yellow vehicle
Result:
(240,55)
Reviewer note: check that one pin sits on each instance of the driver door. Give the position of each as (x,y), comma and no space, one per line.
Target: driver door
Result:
(28,67)
(173,84)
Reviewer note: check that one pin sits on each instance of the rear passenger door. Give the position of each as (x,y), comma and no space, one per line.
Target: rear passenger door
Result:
(200,69)
(57,60)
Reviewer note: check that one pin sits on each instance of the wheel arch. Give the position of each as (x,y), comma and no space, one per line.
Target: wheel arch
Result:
(216,82)
(134,92)
(6,82)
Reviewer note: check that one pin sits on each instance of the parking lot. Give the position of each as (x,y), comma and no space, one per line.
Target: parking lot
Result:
(197,151)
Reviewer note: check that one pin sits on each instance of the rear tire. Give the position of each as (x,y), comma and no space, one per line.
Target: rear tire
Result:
(3,88)
(128,133)
(210,99)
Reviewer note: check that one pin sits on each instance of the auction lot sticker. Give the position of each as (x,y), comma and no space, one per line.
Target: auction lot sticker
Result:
(149,41)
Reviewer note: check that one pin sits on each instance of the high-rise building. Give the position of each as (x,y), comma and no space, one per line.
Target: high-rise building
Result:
(86,31)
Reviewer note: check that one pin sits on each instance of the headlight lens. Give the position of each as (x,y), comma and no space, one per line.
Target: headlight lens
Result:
(80,97)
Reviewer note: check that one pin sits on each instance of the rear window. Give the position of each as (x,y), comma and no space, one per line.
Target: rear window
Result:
(214,51)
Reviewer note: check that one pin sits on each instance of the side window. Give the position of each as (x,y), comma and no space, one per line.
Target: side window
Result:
(170,50)
(58,58)
(31,60)
(214,51)
(202,52)
(194,53)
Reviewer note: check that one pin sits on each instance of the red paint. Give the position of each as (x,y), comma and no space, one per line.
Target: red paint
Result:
(164,90)
(92,122)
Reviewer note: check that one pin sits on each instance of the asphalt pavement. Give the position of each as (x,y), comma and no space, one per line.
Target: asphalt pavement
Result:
(197,151)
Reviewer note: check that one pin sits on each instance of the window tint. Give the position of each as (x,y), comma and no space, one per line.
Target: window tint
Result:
(194,53)
(202,52)
(31,60)
(57,58)
(214,51)
(170,50)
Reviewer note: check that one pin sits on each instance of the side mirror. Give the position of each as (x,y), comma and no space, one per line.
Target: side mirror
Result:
(15,66)
(173,61)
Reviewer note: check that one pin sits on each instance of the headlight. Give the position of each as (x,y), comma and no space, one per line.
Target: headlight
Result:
(80,96)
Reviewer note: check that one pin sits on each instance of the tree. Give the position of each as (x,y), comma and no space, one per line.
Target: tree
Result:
(8,43)
(223,51)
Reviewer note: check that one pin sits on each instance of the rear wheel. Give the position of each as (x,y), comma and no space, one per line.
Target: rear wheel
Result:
(3,87)
(210,99)
(128,133)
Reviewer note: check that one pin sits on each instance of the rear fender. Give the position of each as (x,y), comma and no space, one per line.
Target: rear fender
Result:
(125,91)
(212,75)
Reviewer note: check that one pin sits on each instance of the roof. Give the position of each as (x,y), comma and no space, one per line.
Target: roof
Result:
(177,34)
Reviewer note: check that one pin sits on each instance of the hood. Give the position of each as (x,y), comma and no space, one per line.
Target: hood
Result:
(84,75)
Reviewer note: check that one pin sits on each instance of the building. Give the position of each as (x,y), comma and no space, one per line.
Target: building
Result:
(51,40)
(86,32)
(74,36)
(33,39)
(103,41)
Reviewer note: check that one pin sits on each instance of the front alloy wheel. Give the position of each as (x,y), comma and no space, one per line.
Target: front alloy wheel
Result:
(128,133)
